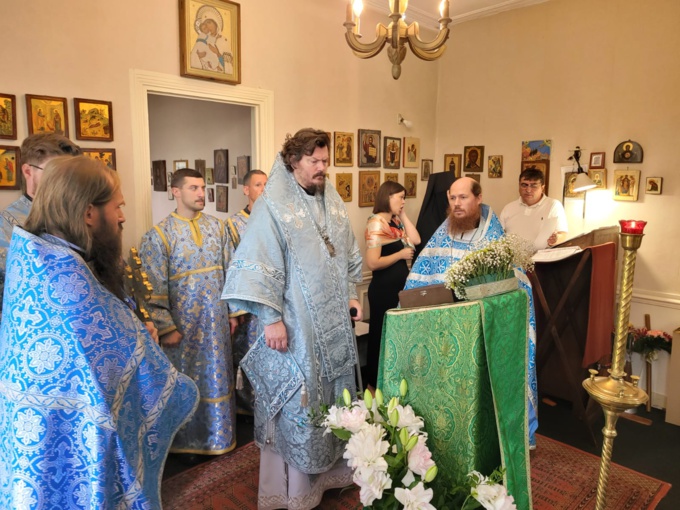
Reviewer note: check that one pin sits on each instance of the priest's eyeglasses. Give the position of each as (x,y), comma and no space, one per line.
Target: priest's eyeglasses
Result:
(36,166)
(533,185)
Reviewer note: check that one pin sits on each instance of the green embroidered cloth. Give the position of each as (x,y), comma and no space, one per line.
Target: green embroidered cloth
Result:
(466,367)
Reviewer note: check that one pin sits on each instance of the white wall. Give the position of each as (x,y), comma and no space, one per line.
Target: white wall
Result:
(191,129)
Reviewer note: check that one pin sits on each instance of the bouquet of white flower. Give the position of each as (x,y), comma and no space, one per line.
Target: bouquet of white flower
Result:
(489,261)
(387,449)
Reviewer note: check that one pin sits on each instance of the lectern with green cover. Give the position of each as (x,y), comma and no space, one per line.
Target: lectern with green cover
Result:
(466,366)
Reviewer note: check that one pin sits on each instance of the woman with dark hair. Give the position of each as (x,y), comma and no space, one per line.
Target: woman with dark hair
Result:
(390,240)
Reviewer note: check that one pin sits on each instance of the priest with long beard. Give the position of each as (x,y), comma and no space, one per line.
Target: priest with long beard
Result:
(469,223)
(85,392)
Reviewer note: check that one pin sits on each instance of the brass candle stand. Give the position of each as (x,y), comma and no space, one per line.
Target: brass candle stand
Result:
(613,393)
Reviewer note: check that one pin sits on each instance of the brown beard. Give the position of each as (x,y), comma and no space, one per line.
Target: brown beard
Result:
(460,225)
(107,260)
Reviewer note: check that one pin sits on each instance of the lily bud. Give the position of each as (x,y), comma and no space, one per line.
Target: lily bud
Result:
(403,436)
(403,388)
(346,397)
(394,402)
(394,418)
(368,399)
(413,440)
(431,474)
(379,397)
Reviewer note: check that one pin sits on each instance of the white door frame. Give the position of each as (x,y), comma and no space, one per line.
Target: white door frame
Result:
(143,83)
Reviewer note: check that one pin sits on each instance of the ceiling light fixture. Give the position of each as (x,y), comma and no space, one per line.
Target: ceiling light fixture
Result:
(397,34)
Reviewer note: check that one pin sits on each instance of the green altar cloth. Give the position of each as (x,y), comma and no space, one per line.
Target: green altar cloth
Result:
(466,367)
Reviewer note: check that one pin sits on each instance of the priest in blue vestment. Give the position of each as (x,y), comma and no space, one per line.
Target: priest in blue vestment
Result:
(89,403)
(243,324)
(296,269)
(36,151)
(469,222)
(185,256)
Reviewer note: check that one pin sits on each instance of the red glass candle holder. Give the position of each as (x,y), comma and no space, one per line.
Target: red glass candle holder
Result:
(632,226)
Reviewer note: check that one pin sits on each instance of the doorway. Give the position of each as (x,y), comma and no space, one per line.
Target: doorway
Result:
(144,83)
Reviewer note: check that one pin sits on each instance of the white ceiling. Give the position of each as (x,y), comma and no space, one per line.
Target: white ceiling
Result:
(426,12)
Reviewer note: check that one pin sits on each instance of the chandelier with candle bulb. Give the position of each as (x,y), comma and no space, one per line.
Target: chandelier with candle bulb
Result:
(396,35)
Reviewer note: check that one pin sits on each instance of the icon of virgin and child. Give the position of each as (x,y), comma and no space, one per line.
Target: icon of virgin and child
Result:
(211,50)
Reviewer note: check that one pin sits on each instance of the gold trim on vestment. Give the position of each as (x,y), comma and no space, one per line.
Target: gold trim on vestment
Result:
(193,225)
(196,271)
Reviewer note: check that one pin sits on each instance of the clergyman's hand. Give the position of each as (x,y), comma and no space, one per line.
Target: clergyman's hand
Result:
(151,328)
(276,336)
(233,324)
(171,339)
(359,316)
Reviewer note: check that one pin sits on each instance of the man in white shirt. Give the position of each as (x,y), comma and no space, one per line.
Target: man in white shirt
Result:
(535,216)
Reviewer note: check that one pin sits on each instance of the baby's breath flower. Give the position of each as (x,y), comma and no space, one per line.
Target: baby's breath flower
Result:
(489,261)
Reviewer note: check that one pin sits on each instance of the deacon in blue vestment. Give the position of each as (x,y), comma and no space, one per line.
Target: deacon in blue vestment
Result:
(243,324)
(89,404)
(296,269)
(186,257)
(469,222)
(36,151)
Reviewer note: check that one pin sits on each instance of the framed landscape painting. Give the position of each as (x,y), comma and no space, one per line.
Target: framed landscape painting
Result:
(369,182)
(8,116)
(533,150)
(344,145)
(10,173)
(210,40)
(107,156)
(343,185)
(47,114)
(94,120)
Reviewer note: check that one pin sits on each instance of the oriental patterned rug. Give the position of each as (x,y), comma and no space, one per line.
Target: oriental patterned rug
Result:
(562,477)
